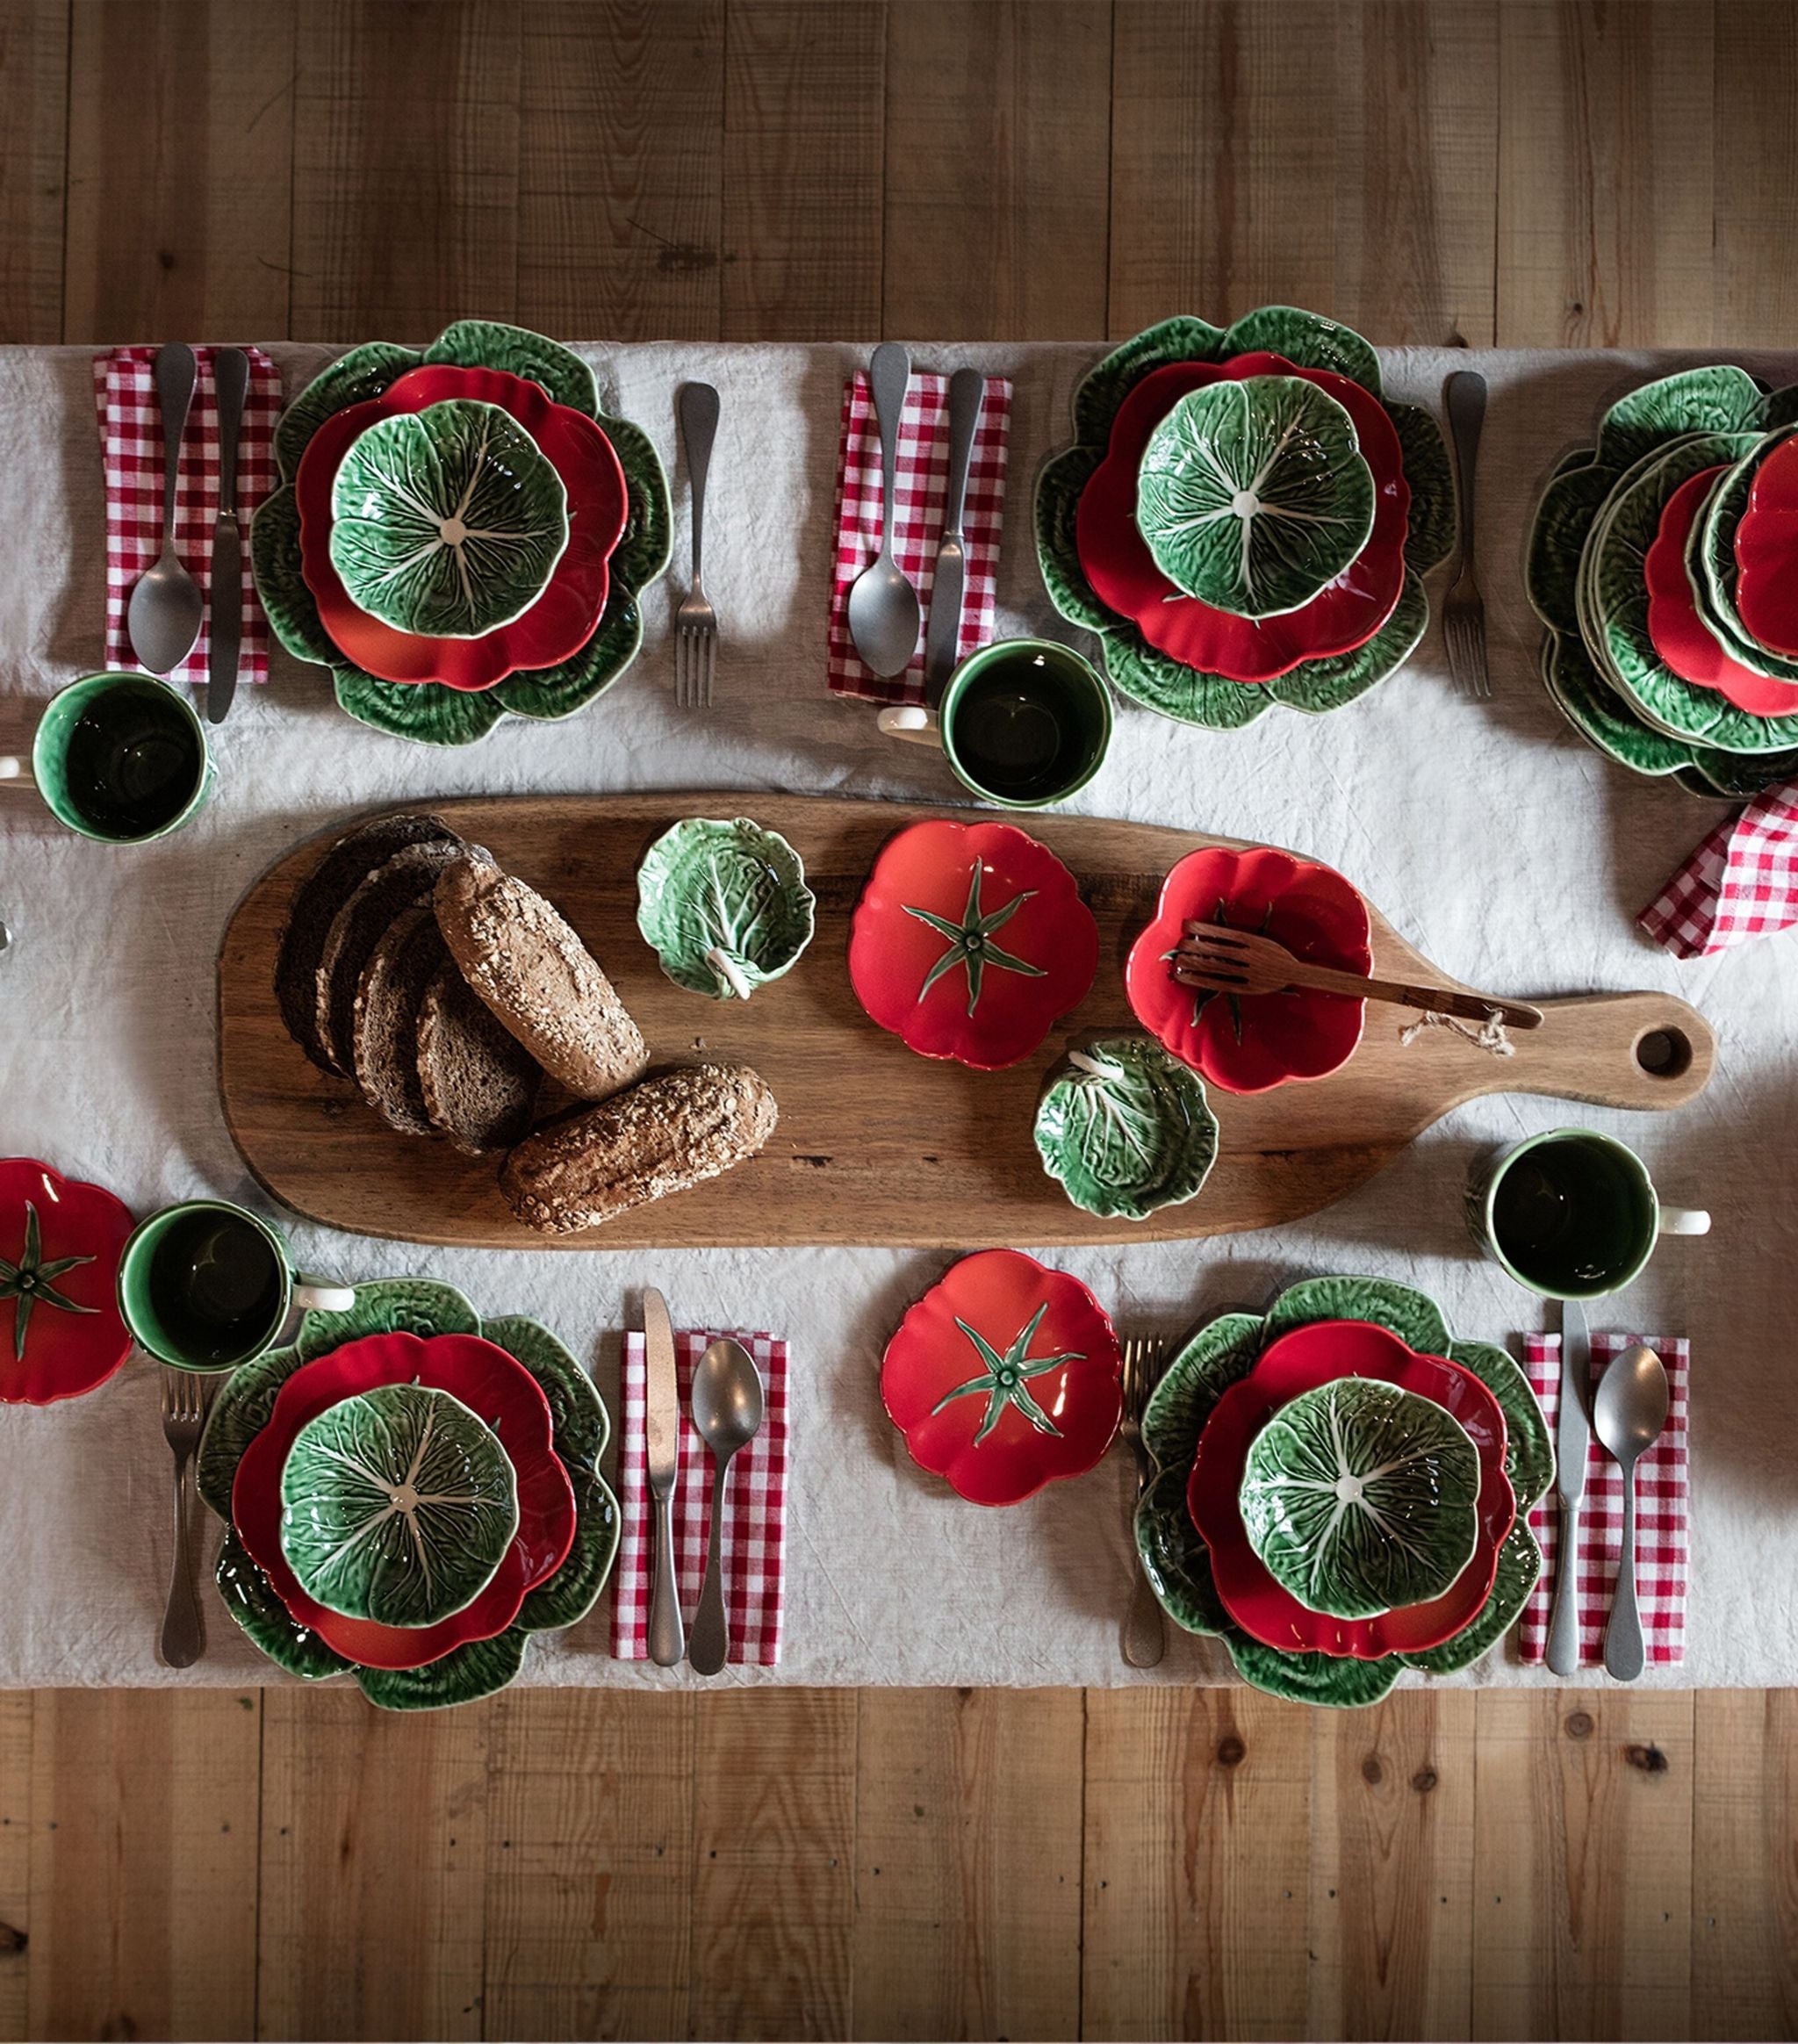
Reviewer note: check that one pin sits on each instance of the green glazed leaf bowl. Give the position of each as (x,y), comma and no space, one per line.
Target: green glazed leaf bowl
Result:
(1361,1498)
(1251,496)
(1126,1129)
(1173,1552)
(725,905)
(447,523)
(427,712)
(1152,678)
(397,1505)
(423,1307)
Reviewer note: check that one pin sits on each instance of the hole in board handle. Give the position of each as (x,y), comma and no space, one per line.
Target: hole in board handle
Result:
(1664,1054)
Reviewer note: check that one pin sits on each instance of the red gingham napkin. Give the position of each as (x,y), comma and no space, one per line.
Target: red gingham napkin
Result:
(755,1524)
(918,492)
(1741,883)
(131,447)
(1663,1523)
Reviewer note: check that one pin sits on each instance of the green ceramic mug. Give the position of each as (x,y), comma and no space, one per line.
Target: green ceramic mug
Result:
(122,759)
(1025,723)
(1572,1214)
(207,1285)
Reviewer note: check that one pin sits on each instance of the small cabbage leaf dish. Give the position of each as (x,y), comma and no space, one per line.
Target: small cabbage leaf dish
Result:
(1634,565)
(1235,544)
(1400,1334)
(540,1409)
(725,905)
(474,356)
(1125,1129)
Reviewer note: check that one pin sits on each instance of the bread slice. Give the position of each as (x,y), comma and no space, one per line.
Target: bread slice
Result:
(316,902)
(385,1034)
(662,1136)
(402,882)
(536,975)
(479,1082)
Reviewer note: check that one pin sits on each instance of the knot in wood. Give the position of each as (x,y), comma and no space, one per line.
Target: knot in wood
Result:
(1579,1725)
(1231,1752)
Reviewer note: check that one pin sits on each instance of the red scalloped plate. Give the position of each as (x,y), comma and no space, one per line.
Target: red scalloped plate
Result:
(1247,1043)
(1126,579)
(938,1387)
(1679,633)
(1027,953)
(563,618)
(491,1383)
(75,1338)
(1302,1361)
(1766,555)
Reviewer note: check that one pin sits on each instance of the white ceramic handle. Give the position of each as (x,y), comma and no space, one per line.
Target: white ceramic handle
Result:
(911,721)
(315,1295)
(14,770)
(1688,1220)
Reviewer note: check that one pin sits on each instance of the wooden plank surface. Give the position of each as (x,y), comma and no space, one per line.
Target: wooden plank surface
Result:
(875,1144)
(16,1719)
(1744,1863)
(33,168)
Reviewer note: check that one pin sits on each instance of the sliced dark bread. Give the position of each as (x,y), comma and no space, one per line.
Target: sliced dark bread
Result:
(401,882)
(321,893)
(384,1037)
(480,1082)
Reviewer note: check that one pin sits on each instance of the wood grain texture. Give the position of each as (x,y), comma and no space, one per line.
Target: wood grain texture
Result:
(405,166)
(180,169)
(374,1845)
(1754,282)
(997,172)
(773,1859)
(968,1876)
(620,169)
(1604,229)
(1744,1863)
(589,1865)
(1392,1868)
(1198,1865)
(143,1865)
(16,1719)
(1583,1900)
(875,1145)
(804,88)
(35,63)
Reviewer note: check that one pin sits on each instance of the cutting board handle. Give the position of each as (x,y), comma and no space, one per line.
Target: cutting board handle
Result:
(1616,1050)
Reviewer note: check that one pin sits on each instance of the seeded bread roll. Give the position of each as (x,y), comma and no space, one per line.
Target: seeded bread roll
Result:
(404,881)
(385,1038)
(664,1135)
(538,976)
(479,1082)
(319,896)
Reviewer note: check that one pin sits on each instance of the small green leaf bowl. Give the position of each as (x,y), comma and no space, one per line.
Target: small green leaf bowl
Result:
(725,905)
(1125,1129)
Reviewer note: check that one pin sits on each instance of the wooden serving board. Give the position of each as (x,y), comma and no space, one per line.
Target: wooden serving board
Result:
(875,1144)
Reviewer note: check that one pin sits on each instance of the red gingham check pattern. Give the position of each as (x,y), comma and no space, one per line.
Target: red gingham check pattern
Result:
(131,447)
(1741,883)
(755,1526)
(920,488)
(1663,1517)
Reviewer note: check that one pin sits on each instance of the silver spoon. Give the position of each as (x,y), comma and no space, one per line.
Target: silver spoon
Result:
(883,609)
(726,1409)
(1628,1410)
(163,616)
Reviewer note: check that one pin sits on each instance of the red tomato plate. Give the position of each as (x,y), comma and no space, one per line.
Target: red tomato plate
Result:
(1678,634)
(1766,554)
(61,1239)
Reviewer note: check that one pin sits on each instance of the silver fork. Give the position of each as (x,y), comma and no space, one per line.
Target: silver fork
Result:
(1144,1629)
(1463,615)
(696,622)
(184,1402)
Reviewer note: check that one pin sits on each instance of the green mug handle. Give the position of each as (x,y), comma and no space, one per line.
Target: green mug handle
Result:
(911,721)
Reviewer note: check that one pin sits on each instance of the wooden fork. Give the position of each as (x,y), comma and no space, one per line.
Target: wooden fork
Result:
(1240,962)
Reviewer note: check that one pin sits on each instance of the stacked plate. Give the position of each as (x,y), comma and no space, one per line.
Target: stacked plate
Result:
(1243,519)
(460,533)
(1662,561)
(409,1493)
(1341,1490)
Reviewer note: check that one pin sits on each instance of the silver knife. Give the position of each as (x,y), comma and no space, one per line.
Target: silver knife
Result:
(230,382)
(943,632)
(1572,1431)
(662,1442)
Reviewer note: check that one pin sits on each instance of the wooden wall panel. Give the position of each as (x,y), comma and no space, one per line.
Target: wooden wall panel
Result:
(1744,1869)
(35,63)
(16,1716)
(998,168)
(968,1873)
(1755,280)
